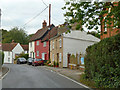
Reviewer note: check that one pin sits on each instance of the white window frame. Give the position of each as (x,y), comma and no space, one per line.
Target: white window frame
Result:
(37,53)
(60,57)
(30,54)
(105,25)
(31,44)
(8,53)
(60,43)
(53,57)
(43,56)
(53,45)
(44,44)
(37,43)
(8,59)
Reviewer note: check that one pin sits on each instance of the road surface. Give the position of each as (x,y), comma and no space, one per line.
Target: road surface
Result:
(25,76)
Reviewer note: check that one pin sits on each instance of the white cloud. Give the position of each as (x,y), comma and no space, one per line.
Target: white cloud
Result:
(18,12)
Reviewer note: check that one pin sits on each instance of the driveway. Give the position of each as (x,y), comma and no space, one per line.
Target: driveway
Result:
(25,76)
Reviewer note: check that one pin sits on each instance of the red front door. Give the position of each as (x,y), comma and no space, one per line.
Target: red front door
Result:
(45,56)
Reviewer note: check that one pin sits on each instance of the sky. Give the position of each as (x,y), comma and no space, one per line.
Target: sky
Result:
(16,13)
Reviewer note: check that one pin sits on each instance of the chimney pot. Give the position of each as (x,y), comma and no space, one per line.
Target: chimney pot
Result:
(44,24)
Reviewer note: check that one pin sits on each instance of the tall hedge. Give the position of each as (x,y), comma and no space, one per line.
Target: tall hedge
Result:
(102,62)
(1,58)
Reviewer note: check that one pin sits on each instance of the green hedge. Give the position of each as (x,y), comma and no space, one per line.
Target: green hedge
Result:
(1,58)
(102,62)
(26,56)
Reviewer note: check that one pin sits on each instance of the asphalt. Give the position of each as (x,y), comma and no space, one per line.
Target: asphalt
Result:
(25,76)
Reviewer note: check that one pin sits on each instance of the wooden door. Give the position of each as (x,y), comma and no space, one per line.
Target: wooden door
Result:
(68,59)
(45,56)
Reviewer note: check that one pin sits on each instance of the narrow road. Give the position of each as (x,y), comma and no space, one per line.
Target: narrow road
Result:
(25,76)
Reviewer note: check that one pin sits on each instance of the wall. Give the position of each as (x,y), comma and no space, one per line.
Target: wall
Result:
(17,50)
(31,49)
(41,49)
(56,50)
(110,31)
(6,56)
(72,44)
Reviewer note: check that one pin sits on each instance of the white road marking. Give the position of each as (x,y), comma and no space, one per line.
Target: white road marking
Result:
(5,74)
(71,79)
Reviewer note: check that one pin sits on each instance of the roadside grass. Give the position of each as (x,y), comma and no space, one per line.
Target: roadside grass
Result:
(4,70)
(81,79)
(87,82)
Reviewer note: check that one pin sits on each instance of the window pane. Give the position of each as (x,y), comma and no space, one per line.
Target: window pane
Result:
(53,57)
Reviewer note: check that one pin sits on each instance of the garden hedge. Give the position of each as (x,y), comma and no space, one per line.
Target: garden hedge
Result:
(102,62)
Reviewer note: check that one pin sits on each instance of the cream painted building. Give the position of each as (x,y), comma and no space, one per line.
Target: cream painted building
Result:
(32,49)
(63,45)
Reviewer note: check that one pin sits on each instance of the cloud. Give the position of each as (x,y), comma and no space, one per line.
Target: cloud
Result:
(18,12)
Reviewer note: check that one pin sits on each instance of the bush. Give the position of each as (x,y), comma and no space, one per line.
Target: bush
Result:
(102,62)
(26,56)
(1,58)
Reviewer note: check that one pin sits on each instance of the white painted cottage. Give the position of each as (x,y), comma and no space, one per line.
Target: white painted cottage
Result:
(32,49)
(76,42)
(71,43)
(11,50)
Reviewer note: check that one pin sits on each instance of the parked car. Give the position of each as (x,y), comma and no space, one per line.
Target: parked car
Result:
(29,61)
(21,61)
(37,62)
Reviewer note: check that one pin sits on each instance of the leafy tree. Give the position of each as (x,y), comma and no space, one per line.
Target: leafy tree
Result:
(16,34)
(91,14)
(30,35)
(96,34)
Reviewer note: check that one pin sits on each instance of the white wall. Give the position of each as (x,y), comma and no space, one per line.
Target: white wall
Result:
(31,48)
(17,50)
(6,56)
(74,45)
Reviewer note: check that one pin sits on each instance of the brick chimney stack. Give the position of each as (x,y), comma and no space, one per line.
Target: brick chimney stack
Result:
(44,24)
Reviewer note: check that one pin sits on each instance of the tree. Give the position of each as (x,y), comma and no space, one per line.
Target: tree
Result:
(96,34)
(91,14)
(16,34)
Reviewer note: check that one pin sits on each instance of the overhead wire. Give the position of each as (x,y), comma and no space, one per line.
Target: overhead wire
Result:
(44,3)
(35,16)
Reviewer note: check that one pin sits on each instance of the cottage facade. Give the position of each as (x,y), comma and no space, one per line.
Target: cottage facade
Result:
(63,45)
(11,50)
(41,41)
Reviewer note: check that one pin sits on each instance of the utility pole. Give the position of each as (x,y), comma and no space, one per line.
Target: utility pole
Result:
(49,14)
(49,27)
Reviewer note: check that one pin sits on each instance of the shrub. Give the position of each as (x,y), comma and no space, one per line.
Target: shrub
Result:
(102,62)
(26,56)
(1,58)
(54,63)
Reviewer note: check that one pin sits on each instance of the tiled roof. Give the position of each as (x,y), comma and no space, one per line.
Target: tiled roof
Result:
(40,33)
(8,46)
(50,34)
(77,34)
(25,47)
